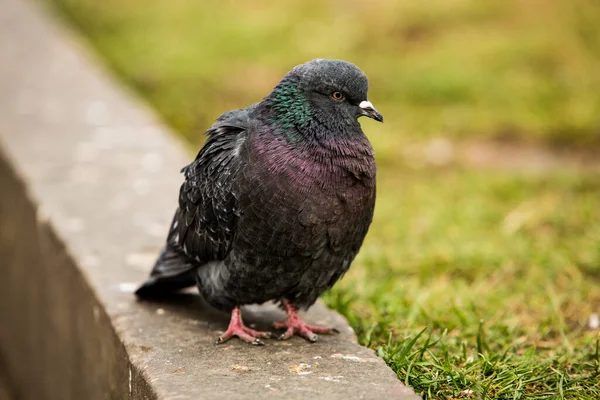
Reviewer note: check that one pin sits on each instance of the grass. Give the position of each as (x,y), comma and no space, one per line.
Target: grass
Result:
(471,283)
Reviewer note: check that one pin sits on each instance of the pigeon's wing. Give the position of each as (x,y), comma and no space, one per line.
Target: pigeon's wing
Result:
(208,209)
(205,221)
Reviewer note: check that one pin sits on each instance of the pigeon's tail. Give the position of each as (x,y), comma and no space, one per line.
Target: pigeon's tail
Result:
(171,273)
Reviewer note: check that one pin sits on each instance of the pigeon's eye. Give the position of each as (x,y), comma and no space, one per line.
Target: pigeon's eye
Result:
(337,96)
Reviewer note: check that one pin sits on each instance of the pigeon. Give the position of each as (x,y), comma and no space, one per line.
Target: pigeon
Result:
(278,201)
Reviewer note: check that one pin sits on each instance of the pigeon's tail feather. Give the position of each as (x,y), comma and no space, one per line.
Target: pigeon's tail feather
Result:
(171,273)
(160,287)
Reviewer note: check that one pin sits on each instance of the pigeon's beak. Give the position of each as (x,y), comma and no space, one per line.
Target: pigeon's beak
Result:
(368,110)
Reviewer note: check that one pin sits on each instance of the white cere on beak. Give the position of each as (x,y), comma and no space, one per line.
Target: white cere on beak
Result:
(365,105)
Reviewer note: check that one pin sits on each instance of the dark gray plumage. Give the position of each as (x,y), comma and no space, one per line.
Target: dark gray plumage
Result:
(278,201)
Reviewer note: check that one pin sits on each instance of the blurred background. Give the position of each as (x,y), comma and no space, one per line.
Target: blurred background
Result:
(481,272)
(519,69)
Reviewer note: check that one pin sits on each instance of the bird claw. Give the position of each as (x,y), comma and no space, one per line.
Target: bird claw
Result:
(237,328)
(294,325)
(302,329)
(245,336)
(258,334)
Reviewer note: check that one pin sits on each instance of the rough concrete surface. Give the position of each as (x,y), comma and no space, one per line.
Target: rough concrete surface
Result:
(88,182)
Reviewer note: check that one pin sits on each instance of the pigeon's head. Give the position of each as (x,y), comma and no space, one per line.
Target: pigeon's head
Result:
(336,87)
(331,91)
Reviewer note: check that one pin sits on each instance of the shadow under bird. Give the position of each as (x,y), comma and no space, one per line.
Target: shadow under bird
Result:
(278,201)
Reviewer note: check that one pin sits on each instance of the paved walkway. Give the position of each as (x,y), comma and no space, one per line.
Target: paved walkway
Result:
(93,178)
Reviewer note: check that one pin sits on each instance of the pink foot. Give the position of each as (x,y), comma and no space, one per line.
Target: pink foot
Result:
(237,328)
(294,325)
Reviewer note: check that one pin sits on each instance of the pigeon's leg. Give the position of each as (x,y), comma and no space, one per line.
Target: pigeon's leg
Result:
(237,328)
(294,325)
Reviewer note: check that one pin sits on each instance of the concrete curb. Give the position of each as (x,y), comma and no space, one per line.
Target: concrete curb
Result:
(89,180)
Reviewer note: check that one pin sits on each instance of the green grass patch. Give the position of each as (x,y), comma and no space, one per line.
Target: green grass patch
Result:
(471,284)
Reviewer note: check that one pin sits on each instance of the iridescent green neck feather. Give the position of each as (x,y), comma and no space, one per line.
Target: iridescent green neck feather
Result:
(290,109)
